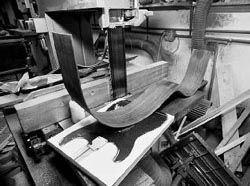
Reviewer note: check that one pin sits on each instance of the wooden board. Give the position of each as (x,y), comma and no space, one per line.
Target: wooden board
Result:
(237,142)
(110,164)
(137,177)
(145,104)
(226,93)
(53,88)
(10,100)
(236,126)
(53,107)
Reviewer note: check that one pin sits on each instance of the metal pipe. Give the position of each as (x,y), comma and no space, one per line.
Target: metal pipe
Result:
(161,28)
(214,39)
(159,34)
(229,4)
(208,38)
(207,30)
(215,7)
(229,31)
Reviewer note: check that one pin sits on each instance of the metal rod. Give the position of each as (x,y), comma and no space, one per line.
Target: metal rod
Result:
(162,28)
(229,4)
(159,34)
(208,38)
(214,6)
(207,30)
(214,39)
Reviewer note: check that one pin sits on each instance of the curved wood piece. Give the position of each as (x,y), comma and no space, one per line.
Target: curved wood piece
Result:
(142,107)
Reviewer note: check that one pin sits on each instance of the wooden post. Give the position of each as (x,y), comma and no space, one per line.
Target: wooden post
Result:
(226,93)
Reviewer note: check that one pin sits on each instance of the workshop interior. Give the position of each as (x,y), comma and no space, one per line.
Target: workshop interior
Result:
(124,92)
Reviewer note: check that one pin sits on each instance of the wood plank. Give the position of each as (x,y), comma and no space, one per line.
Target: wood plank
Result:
(52,89)
(78,25)
(65,123)
(70,24)
(231,145)
(137,177)
(240,154)
(41,92)
(234,128)
(214,94)
(226,93)
(138,78)
(147,103)
(10,100)
(180,127)
(216,112)
(51,108)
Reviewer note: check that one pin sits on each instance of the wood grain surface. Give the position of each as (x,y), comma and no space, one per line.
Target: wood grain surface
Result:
(147,103)
(53,107)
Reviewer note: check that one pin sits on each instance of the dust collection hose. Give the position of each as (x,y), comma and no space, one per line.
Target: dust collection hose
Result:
(156,52)
(146,45)
(132,42)
(199,24)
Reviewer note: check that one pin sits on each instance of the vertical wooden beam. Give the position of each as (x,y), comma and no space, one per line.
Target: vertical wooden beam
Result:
(226,93)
